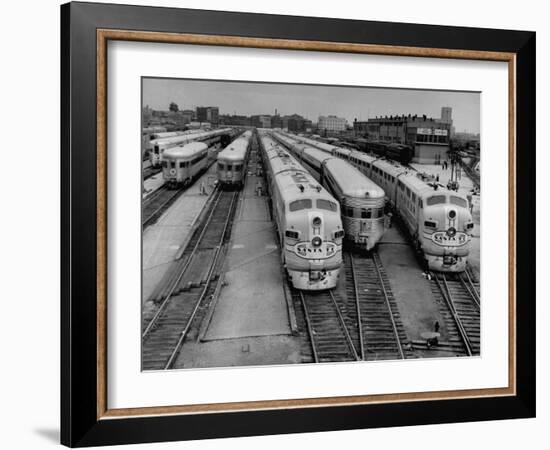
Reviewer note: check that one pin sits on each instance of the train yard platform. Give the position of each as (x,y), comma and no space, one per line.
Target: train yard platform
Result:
(152,183)
(163,240)
(411,289)
(249,322)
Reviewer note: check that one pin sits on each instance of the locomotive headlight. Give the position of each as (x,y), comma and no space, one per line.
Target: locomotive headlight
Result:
(452,214)
(316,222)
(316,241)
(451,231)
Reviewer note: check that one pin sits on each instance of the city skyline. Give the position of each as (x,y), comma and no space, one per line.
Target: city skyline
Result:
(312,101)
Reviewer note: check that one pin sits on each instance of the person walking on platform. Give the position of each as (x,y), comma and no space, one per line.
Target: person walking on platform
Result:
(203,189)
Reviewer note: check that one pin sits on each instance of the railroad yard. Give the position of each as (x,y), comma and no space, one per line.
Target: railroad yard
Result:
(218,288)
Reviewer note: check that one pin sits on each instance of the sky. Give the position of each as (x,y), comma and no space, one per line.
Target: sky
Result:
(311,101)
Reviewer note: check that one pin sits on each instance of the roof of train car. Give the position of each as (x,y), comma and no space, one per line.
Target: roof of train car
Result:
(351,180)
(190,136)
(316,154)
(185,151)
(236,150)
(408,176)
(290,175)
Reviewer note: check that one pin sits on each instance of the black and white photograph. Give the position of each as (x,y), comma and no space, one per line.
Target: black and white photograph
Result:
(299,223)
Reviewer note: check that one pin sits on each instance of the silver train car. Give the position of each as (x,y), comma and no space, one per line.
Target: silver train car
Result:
(231,161)
(361,200)
(181,165)
(157,146)
(438,220)
(307,218)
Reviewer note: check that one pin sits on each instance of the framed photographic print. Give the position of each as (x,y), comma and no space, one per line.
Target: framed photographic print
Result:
(276,224)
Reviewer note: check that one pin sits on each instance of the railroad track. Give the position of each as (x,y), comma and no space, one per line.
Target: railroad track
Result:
(374,317)
(328,333)
(148,172)
(157,203)
(460,305)
(363,324)
(187,292)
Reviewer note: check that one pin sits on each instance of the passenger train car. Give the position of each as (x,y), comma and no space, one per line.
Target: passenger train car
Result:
(438,220)
(181,165)
(231,161)
(157,146)
(307,217)
(361,200)
(169,134)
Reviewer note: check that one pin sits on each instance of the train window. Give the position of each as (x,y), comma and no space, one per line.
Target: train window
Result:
(326,204)
(436,200)
(229,167)
(365,214)
(420,205)
(298,205)
(368,166)
(165,164)
(238,167)
(221,166)
(182,164)
(408,192)
(459,201)
(173,164)
(413,197)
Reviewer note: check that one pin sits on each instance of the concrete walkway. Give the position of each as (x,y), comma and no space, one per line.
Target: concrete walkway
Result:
(411,290)
(252,301)
(162,240)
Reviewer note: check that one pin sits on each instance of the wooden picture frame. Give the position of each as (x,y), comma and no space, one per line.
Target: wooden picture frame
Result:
(85,416)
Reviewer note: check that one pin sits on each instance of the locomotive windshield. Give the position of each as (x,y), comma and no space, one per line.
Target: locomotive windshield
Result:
(327,205)
(458,201)
(436,200)
(298,205)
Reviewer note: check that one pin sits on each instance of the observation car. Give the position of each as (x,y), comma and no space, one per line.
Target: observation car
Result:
(307,218)
(181,165)
(438,220)
(361,200)
(231,161)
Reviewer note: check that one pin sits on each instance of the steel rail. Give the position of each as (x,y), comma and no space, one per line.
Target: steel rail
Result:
(474,289)
(344,327)
(446,292)
(358,308)
(183,334)
(182,271)
(162,205)
(394,325)
(468,288)
(309,328)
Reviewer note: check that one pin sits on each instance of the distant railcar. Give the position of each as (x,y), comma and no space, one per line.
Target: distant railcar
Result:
(181,165)
(231,161)
(157,146)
